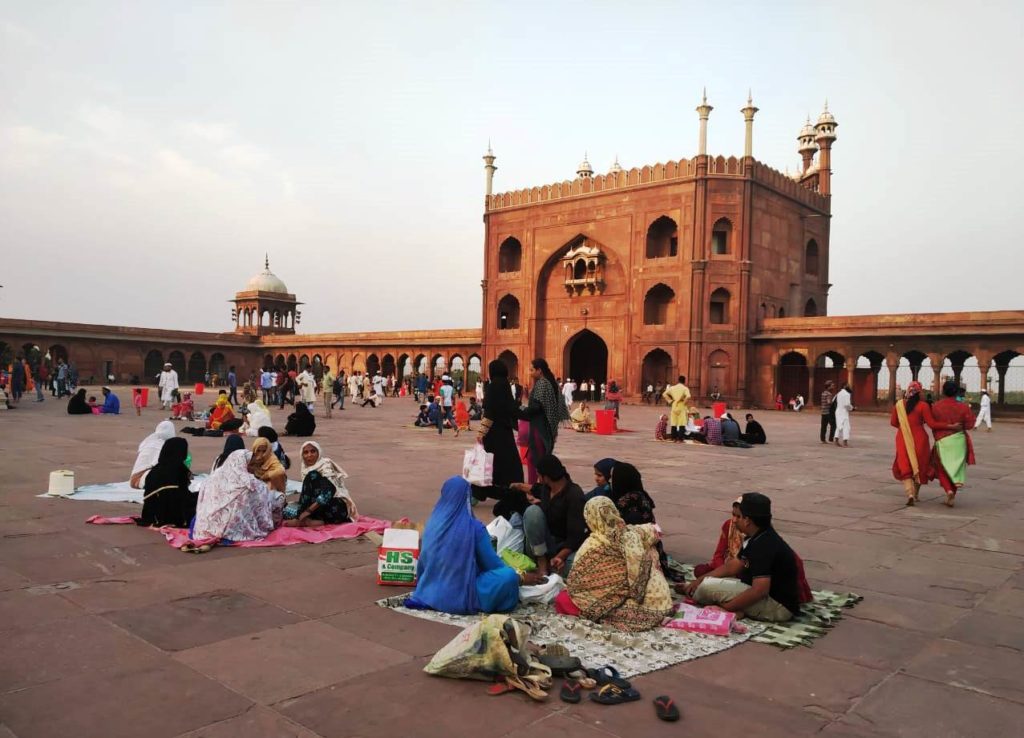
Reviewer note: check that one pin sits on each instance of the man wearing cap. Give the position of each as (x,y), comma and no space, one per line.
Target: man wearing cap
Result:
(730,430)
(763,580)
(168,385)
(985,411)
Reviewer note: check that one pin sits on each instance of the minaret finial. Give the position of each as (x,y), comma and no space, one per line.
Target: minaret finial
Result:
(750,96)
(266,261)
(704,96)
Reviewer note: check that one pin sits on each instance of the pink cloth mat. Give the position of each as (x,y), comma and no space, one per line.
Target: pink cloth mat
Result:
(177,537)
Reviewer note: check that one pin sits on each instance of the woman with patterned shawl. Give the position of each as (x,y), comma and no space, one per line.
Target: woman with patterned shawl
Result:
(616,579)
(545,412)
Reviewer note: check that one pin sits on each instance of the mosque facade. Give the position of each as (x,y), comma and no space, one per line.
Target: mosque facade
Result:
(712,267)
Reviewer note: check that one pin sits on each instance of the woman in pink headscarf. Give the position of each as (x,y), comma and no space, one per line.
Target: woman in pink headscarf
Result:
(913,465)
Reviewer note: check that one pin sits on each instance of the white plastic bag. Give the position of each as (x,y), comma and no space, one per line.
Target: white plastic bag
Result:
(542,593)
(478,466)
(508,537)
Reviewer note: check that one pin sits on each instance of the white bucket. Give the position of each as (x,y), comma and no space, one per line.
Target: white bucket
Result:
(62,483)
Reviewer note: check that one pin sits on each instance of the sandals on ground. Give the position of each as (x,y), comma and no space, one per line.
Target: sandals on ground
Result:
(571,692)
(193,548)
(610,694)
(608,675)
(666,709)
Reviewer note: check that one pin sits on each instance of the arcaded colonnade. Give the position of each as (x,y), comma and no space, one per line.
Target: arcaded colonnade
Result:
(879,355)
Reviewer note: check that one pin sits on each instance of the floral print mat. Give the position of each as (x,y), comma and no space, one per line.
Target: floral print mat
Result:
(634,654)
(596,645)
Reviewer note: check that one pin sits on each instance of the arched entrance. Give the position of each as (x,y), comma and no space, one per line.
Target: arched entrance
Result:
(387,366)
(511,361)
(196,367)
(152,366)
(177,360)
(656,369)
(586,357)
(718,372)
(793,376)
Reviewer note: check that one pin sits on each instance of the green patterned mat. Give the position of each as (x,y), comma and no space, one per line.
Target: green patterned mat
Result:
(815,618)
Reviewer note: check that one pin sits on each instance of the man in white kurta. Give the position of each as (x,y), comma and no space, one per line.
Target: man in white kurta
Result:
(985,411)
(307,388)
(168,384)
(844,405)
(567,389)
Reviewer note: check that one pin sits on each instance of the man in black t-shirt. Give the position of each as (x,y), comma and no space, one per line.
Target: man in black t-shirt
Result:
(762,581)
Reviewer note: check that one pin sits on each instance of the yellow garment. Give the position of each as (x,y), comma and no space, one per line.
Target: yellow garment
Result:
(265,466)
(678,395)
(616,578)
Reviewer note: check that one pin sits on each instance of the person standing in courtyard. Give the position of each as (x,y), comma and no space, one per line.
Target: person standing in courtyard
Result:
(327,390)
(232,386)
(545,411)
(168,385)
(912,465)
(42,379)
(844,406)
(828,412)
(984,411)
(953,451)
(678,396)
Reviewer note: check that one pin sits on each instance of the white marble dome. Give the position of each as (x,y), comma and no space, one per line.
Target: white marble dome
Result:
(266,281)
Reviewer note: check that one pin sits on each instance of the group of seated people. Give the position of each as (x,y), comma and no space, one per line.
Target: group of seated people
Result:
(79,404)
(431,414)
(244,496)
(606,545)
(223,420)
(720,431)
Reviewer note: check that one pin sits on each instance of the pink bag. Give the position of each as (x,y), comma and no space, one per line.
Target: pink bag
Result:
(694,619)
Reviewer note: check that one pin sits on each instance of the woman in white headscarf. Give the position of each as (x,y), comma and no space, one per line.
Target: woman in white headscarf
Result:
(149,453)
(324,498)
(234,505)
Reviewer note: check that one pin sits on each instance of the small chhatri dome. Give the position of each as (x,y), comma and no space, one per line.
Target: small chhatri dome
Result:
(826,125)
(826,116)
(266,281)
(808,129)
(616,167)
(584,169)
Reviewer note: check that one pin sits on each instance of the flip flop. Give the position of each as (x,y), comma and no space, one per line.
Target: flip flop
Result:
(666,709)
(609,694)
(571,692)
(608,675)
(500,688)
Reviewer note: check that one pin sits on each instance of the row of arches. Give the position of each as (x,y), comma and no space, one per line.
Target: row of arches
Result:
(192,369)
(662,242)
(402,365)
(659,308)
(252,317)
(878,382)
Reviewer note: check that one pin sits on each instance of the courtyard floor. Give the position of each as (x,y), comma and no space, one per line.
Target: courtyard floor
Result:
(108,631)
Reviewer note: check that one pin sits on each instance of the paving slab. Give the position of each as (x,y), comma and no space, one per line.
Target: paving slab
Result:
(916,708)
(201,619)
(84,645)
(402,701)
(395,630)
(276,664)
(160,700)
(256,722)
(992,671)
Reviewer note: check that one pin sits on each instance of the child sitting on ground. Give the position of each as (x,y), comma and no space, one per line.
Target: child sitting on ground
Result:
(423,419)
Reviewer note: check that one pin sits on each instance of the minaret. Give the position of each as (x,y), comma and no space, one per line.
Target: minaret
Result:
(703,110)
(748,118)
(807,146)
(826,130)
(489,168)
(584,170)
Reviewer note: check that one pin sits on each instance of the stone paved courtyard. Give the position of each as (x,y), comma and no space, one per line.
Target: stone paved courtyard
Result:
(110,632)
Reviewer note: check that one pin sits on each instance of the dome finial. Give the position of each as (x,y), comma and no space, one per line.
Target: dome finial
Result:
(266,261)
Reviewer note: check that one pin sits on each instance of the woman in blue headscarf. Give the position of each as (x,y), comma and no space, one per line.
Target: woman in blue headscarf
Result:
(459,572)
(602,480)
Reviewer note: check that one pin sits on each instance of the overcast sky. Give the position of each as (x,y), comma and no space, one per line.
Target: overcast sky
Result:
(150,153)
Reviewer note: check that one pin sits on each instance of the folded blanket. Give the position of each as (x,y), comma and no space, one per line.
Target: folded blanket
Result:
(177,537)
